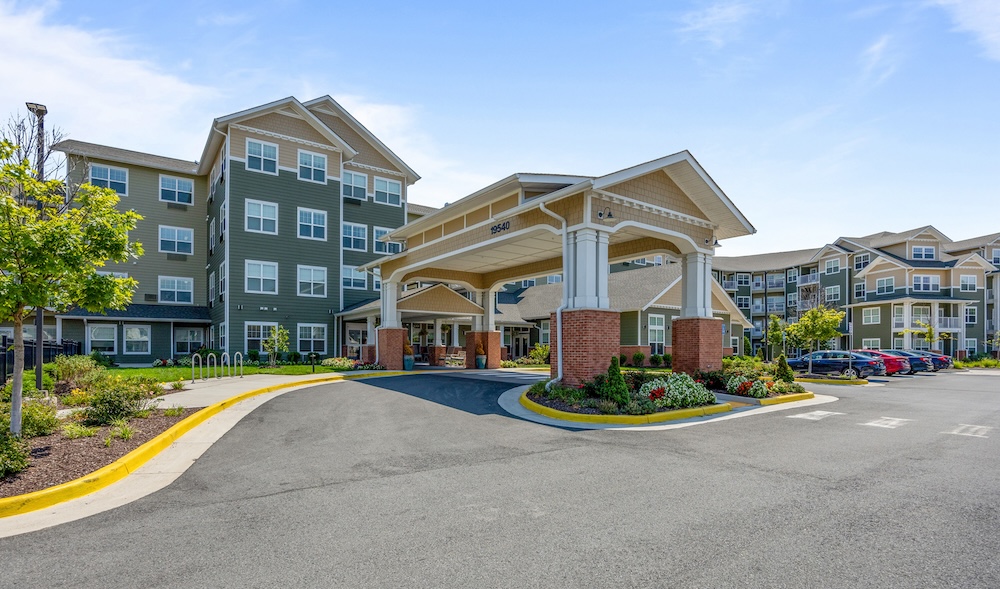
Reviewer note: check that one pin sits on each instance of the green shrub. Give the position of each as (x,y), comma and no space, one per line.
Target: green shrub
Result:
(185,361)
(253,356)
(607,407)
(638,359)
(74,431)
(622,359)
(677,391)
(14,454)
(100,359)
(73,369)
(634,379)
(655,360)
(27,386)
(615,388)
(115,397)
(540,353)
(712,379)
(760,354)
(294,357)
(784,372)
(746,345)
(508,364)
(786,388)
(38,419)
(338,363)
(668,361)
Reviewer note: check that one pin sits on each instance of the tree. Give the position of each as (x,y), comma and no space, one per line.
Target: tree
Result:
(22,133)
(775,335)
(51,253)
(747,348)
(276,343)
(928,332)
(816,325)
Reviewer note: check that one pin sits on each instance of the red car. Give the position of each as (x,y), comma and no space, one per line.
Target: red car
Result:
(893,364)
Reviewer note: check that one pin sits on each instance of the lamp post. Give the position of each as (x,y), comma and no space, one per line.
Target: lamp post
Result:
(39,111)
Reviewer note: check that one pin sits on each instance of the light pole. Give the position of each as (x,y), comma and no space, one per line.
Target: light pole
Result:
(39,111)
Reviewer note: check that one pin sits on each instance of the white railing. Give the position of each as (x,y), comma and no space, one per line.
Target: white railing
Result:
(775,284)
(776,307)
(729,284)
(989,294)
(758,285)
(807,279)
(949,322)
(898,323)
(756,332)
(757,308)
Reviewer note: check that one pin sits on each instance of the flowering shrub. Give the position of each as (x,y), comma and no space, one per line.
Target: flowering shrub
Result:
(733,384)
(339,363)
(787,388)
(362,366)
(747,387)
(677,391)
(758,390)
(657,394)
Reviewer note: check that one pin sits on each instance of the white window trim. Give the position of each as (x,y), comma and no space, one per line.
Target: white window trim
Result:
(376,242)
(211,236)
(859,258)
(544,332)
(277,157)
(923,252)
(975,315)
(298,337)
(159,290)
(377,279)
(353,173)
(888,285)
(974,347)
(159,190)
(222,278)
(298,281)
(932,284)
(995,256)
(353,225)
(792,275)
(866,343)
(662,329)
(246,329)
(246,277)
(741,306)
(343,269)
(149,341)
(159,240)
(975,283)
(528,283)
(374,192)
(831,289)
(829,264)
(872,316)
(211,287)
(113,326)
(246,216)
(742,279)
(298,223)
(298,166)
(90,176)
(862,293)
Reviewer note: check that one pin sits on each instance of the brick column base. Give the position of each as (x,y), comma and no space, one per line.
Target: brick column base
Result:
(368,354)
(591,337)
(436,354)
(390,347)
(491,345)
(696,344)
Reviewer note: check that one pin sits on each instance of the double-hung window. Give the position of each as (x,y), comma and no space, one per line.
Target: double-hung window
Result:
(256,333)
(885,286)
(262,217)
(971,346)
(377,279)
(136,339)
(262,157)
(179,190)
(923,252)
(175,289)
(355,237)
(388,191)
(103,338)
(859,290)
(355,185)
(261,277)
(188,340)
(657,334)
(222,279)
(312,167)
(743,302)
(832,293)
(996,256)
(544,332)
(312,338)
(176,240)
(108,177)
(861,261)
(792,275)
(312,281)
(353,278)
(926,283)
(742,280)
(385,247)
(211,236)
(971,315)
(871,343)
(553,278)
(968,283)
(833,266)
(312,224)
(871,316)
(211,287)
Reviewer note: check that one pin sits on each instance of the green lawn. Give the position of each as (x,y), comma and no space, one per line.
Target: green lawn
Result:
(175,373)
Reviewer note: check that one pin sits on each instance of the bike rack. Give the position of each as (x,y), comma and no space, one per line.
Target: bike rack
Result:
(196,359)
(212,363)
(224,364)
(238,361)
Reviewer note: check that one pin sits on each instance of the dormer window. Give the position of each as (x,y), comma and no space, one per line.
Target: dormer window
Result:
(923,252)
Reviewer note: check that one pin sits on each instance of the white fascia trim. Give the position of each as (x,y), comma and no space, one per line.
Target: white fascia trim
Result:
(819,255)
(662,292)
(870,267)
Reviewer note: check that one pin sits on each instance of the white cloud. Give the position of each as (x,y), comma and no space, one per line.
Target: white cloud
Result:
(878,60)
(718,24)
(223,20)
(979,17)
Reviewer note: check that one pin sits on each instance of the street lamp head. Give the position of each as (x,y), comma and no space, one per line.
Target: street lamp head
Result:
(38,110)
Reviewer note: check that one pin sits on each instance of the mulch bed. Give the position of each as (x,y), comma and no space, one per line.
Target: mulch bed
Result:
(561,405)
(56,459)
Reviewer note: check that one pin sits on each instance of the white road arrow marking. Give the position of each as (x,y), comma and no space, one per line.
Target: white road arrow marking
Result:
(887,422)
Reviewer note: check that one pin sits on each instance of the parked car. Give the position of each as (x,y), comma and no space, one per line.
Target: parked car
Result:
(938,361)
(917,362)
(893,364)
(839,362)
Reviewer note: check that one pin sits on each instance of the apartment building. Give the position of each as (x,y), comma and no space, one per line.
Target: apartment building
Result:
(891,286)
(266,227)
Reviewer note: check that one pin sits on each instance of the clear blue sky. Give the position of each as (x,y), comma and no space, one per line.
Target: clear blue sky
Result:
(818,119)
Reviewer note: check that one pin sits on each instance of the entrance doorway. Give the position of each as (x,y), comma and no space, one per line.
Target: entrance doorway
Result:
(521,345)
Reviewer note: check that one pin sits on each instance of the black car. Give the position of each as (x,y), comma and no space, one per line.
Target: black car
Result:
(938,361)
(839,362)
(918,363)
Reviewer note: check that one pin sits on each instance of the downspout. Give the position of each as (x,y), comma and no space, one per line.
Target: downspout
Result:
(562,307)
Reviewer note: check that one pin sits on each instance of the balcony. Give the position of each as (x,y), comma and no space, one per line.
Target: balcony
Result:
(989,295)
(756,332)
(898,323)
(729,284)
(773,284)
(758,285)
(776,307)
(807,279)
(949,322)
(807,305)
(757,308)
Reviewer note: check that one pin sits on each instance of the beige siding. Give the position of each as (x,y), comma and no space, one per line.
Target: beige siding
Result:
(658,189)
(367,154)
(288,151)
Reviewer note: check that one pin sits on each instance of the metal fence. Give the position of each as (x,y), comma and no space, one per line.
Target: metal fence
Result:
(50,349)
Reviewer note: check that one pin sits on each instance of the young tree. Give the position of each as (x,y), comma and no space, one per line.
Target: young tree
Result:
(51,253)
(928,332)
(775,335)
(276,343)
(817,325)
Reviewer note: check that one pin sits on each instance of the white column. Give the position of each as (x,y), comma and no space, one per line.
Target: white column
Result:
(907,318)
(454,335)
(390,316)
(478,320)
(437,333)
(370,322)
(696,295)
(490,300)
(589,259)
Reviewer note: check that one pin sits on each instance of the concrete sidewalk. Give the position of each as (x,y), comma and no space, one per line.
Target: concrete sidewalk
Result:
(207,392)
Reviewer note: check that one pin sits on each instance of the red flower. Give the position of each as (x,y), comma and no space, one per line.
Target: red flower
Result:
(657,393)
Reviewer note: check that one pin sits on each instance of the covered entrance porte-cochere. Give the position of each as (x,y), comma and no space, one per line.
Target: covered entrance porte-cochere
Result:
(530,225)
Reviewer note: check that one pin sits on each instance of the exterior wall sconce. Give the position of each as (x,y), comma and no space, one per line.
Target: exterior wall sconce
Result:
(605,214)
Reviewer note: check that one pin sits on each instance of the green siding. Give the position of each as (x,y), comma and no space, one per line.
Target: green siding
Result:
(629,329)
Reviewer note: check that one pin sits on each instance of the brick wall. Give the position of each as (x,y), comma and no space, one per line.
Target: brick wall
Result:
(436,354)
(592,337)
(696,344)
(368,354)
(390,347)
(491,345)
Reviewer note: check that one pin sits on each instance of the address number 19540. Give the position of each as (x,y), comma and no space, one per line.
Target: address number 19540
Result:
(499,227)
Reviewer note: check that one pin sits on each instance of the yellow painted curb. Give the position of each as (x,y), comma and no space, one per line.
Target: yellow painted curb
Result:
(787,398)
(127,464)
(857,381)
(623,419)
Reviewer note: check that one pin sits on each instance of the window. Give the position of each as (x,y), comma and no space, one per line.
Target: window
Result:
(355,185)
(179,190)
(859,291)
(211,287)
(108,177)
(222,221)
(832,266)
(28,332)
(528,283)
(211,337)
(351,277)
(222,279)
(871,316)
(923,252)
(657,260)
(969,283)
(553,279)
(921,315)
(996,256)
(312,281)
(136,339)
(544,332)
(897,343)
(222,335)
(103,338)
(639,262)
(176,240)
(262,217)
(176,290)
(792,275)
(861,261)
(355,237)
(256,333)
(262,157)
(971,346)
(885,286)
(657,334)
(377,279)
(262,277)
(387,191)
(312,167)
(743,302)
(926,283)
(871,343)
(832,293)
(742,280)
(734,343)
(385,247)
(114,274)
(792,299)
(312,338)
(188,340)
(971,314)
(312,224)
(211,236)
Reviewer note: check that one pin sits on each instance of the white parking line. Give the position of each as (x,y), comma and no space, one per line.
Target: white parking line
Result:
(814,415)
(974,431)
(887,422)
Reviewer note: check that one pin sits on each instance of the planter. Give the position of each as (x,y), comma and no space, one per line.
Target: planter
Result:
(480,362)
(407,362)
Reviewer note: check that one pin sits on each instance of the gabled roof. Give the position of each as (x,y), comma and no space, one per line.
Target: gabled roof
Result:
(764,262)
(976,259)
(975,242)
(328,102)
(886,238)
(882,259)
(126,156)
(828,248)
(422,210)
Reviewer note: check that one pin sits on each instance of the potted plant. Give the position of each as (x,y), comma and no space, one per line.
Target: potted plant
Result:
(480,356)
(407,356)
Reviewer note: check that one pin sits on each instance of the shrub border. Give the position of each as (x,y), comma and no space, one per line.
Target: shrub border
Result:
(623,419)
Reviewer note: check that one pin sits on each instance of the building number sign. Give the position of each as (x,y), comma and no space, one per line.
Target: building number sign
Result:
(499,227)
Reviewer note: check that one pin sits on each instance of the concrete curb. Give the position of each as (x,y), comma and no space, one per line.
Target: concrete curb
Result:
(124,466)
(766,400)
(623,419)
(856,382)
